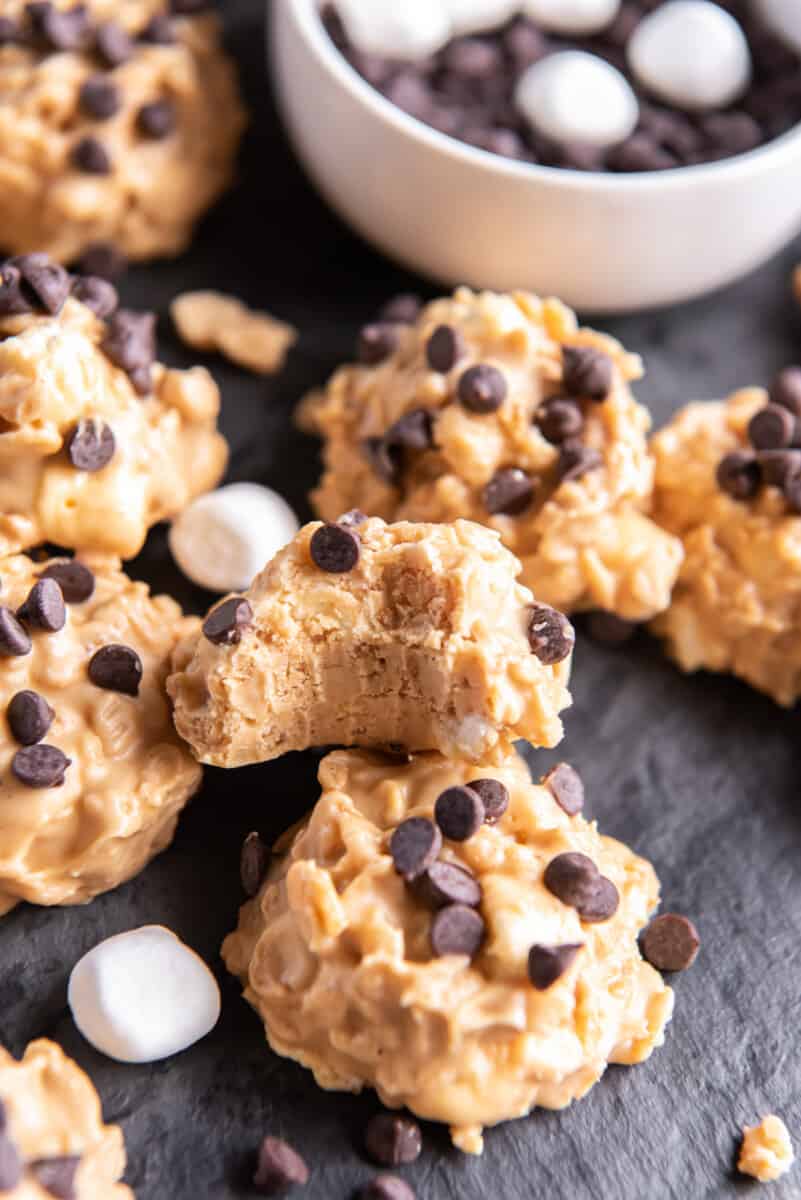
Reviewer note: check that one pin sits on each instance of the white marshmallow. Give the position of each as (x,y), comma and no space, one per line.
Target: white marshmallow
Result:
(784,18)
(143,995)
(692,54)
(223,539)
(477,16)
(572,16)
(577,97)
(406,29)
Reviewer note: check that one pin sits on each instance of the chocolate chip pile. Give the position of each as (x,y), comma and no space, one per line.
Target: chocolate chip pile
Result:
(774,456)
(55,1175)
(467,91)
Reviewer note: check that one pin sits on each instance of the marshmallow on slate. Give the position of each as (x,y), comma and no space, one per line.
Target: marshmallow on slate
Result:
(143,995)
(576,97)
(692,54)
(572,16)
(223,539)
(784,18)
(477,16)
(405,29)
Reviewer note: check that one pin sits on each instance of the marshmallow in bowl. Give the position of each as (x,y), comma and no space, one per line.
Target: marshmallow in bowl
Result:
(692,54)
(784,18)
(409,29)
(576,97)
(572,16)
(143,995)
(223,539)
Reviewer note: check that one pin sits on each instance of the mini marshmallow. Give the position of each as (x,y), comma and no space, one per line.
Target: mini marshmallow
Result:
(476,16)
(692,54)
(143,995)
(577,97)
(404,29)
(223,539)
(784,18)
(572,16)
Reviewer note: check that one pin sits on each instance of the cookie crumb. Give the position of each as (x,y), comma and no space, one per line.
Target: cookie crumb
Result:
(209,320)
(766,1152)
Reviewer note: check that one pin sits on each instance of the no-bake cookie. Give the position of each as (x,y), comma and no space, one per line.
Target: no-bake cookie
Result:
(98,440)
(467,969)
(500,409)
(92,775)
(119,124)
(53,1142)
(362,633)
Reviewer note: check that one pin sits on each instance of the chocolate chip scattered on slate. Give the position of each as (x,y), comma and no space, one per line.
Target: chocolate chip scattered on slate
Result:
(387,1187)
(226,623)
(779,466)
(602,904)
(91,445)
(354,517)
(444,348)
(610,629)
(785,389)
(76,581)
(44,607)
(412,431)
(457,929)
(130,340)
(60,29)
(559,419)
(771,428)
(90,156)
(279,1168)
(550,634)
(482,389)
(103,259)
(159,31)
(565,785)
(113,45)
(509,492)
(29,717)
(739,475)
(403,309)
(46,281)
(14,639)
(573,878)
(459,812)
(13,302)
(546,964)
(414,846)
(494,796)
(99,98)
(391,1140)
(97,294)
(575,461)
(157,120)
(671,942)
(11,1164)
(117,669)
(377,342)
(253,863)
(40,766)
(335,548)
(445,883)
(586,372)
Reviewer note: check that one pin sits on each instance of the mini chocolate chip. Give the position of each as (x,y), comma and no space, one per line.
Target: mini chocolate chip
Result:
(445,883)
(130,340)
(99,98)
(103,259)
(457,929)
(412,431)
(785,389)
(117,669)
(739,475)
(354,518)
(792,493)
(279,1168)
(391,1140)
(414,846)
(29,717)
(376,343)
(586,372)
(729,133)
(14,640)
(76,581)
(385,460)
(159,31)
(771,428)
(509,492)
(494,796)
(564,784)
(559,419)
(253,863)
(602,904)
(90,156)
(91,445)
(226,623)
(444,348)
(387,1187)
(97,294)
(113,44)
(671,942)
(403,309)
(11,1165)
(13,302)
(40,766)
(44,607)
(335,548)
(60,29)
(459,812)
(640,152)
(779,466)
(157,120)
(482,389)
(575,461)
(610,629)
(550,634)
(573,878)
(546,964)
(46,281)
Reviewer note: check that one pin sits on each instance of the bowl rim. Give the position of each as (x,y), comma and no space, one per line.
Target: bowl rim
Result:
(306,16)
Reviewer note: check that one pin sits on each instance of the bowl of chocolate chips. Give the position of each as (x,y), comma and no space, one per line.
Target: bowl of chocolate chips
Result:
(507,143)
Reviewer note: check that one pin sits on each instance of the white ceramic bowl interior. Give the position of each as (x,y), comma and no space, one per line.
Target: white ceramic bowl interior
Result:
(603,243)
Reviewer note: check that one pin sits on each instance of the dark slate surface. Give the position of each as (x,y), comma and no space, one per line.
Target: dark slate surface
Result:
(700,775)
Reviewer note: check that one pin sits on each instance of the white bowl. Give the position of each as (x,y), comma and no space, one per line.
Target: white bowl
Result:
(603,243)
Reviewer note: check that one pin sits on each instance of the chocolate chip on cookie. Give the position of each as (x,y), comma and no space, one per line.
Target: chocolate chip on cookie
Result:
(457,929)
(76,581)
(482,389)
(546,964)
(403,309)
(376,343)
(130,340)
(444,348)
(573,878)
(157,120)
(576,461)
(99,98)
(11,1164)
(412,431)
(113,44)
(785,390)
(602,904)
(671,942)
(10,32)
(779,466)
(771,428)
(739,475)
(550,634)
(91,445)
(279,1168)
(14,639)
(509,492)
(97,294)
(117,669)
(59,28)
(391,1140)
(565,785)
(586,372)
(459,813)
(494,796)
(226,623)
(444,883)
(40,766)
(414,846)
(44,280)
(90,156)
(355,517)
(57,1176)
(387,1187)
(103,259)
(44,607)
(559,419)
(159,31)
(335,548)
(13,302)
(29,717)
(253,863)
(385,460)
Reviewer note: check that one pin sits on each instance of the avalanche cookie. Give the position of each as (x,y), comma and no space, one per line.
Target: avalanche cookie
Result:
(500,409)
(92,775)
(466,971)
(361,633)
(728,483)
(98,441)
(119,124)
(53,1142)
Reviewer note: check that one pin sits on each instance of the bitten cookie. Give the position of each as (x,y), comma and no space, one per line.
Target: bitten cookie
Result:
(728,483)
(98,441)
(53,1142)
(92,775)
(500,409)
(468,951)
(119,123)
(361,633)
